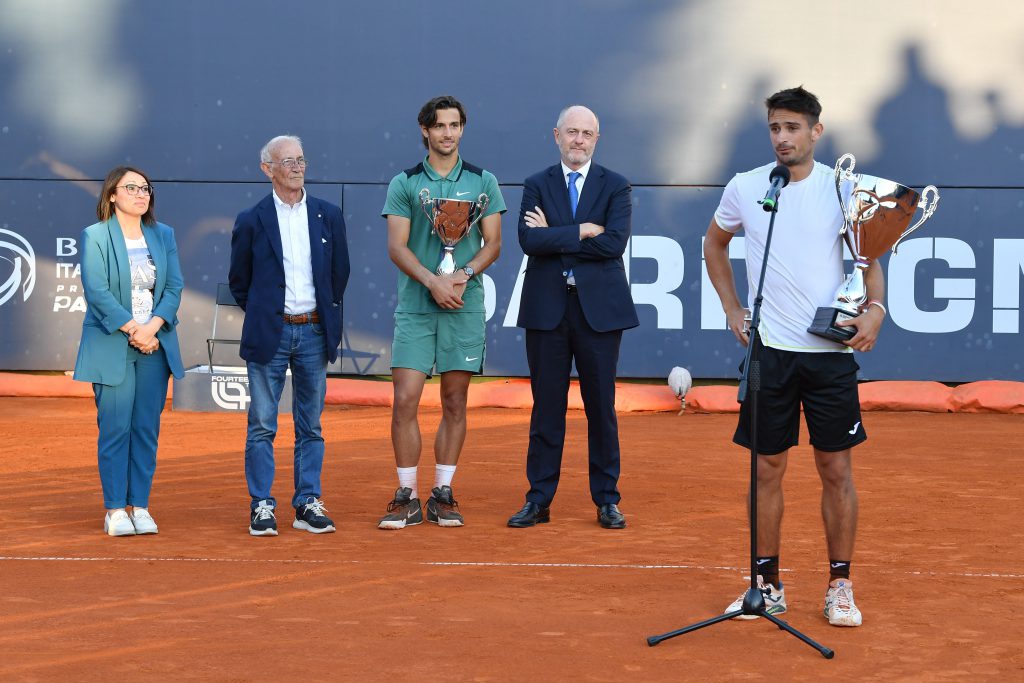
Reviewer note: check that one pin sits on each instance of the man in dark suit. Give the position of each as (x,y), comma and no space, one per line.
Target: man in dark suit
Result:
(574,223)
(289,268)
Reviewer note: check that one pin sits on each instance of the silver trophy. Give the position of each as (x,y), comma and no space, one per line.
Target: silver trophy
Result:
(451,220)
(876,213)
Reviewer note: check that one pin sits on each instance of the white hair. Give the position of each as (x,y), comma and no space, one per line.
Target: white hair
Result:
(562,114)
(274,142)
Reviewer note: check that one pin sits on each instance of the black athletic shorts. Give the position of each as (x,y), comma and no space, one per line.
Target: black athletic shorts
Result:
(826,385)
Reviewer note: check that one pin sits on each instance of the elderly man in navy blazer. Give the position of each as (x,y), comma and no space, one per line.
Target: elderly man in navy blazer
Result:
(574,223)
(289,268)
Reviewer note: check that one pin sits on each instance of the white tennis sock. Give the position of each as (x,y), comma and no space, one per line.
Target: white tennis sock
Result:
(407,479)
(443,475)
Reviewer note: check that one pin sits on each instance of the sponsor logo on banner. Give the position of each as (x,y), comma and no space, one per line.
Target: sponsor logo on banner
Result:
(15,250)
(230,392)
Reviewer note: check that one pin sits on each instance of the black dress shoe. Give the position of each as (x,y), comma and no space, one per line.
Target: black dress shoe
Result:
(531,514)
(609,517)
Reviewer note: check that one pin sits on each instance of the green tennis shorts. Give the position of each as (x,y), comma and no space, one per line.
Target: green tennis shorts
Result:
(447,341)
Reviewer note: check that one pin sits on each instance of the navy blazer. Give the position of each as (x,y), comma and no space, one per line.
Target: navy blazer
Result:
(596,262)
(107,282)
(256,274)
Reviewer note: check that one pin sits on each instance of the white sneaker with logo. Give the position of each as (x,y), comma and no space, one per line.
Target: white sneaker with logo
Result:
(143,521)
(840,609)
(118,523)
(774,600)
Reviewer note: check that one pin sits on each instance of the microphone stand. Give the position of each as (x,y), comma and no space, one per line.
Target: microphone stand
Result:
(753,601)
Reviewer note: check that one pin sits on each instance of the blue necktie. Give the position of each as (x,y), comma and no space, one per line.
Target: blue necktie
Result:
(574,194)
(574,200)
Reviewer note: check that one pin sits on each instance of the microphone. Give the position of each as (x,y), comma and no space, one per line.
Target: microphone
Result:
(780,178)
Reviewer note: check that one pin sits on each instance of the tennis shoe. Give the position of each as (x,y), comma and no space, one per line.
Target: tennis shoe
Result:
(840,609)
(403,511)
(262,521)
(118,523)
(311,517)
(774,600)
(143,521)
(442,509)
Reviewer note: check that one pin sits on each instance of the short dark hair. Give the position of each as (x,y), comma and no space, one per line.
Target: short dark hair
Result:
(796,99)
(428,114)
(105,208)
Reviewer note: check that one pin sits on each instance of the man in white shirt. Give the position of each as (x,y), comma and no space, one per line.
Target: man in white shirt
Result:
(289,268)
(805,267)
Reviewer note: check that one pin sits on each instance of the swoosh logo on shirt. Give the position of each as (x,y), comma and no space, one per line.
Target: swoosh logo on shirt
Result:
(460,194)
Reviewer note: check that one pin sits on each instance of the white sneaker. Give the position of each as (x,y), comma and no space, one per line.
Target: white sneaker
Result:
(117,523)
(774,600)
(143,521)
(840,609)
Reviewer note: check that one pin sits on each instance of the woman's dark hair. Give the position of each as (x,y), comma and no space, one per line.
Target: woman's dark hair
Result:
(105,207)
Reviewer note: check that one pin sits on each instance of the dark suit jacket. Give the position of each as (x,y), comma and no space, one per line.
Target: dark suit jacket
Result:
(107,281)
(596,262)
(256,275)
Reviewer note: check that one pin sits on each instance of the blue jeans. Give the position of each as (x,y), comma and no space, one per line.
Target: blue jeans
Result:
(128,416)
(303,349)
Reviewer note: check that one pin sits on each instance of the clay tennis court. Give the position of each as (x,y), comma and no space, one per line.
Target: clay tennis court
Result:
(938,568)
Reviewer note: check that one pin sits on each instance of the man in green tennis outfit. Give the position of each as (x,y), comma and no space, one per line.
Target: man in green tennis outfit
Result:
(439,319)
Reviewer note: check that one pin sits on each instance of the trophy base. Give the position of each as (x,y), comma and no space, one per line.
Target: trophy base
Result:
(447,265)
(824,324)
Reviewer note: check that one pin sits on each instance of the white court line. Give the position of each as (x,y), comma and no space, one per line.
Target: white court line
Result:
(563,565)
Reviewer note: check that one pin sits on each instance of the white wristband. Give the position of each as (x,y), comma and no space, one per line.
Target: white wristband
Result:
(876,302)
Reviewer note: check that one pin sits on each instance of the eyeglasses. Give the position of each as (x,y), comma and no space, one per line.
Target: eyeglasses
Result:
(135,190)
(291,163)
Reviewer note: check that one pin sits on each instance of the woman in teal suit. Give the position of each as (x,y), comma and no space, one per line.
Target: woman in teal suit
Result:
(132,282)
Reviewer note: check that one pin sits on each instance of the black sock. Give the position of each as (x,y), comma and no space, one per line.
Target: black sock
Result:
(838,569)
(768,568)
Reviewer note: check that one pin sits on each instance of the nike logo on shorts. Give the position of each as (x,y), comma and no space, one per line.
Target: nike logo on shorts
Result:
(470,360)
(854,430)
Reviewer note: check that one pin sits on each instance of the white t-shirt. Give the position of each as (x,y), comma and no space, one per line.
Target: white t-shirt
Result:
(805,266)
(143,270)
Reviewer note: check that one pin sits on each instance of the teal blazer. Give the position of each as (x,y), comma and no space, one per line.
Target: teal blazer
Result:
(106,279)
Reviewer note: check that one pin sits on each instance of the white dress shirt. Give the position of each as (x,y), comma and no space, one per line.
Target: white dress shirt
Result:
(583,171)
(299,292)
(582,178)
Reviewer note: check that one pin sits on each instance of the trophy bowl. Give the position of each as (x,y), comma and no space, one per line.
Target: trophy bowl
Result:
(877,216)
(451,220)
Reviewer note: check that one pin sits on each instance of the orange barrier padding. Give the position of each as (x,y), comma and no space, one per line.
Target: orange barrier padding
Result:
(929,397)
(43,386)
(711,399)
(989,396)
(357,392)
(631,398)
(510,393)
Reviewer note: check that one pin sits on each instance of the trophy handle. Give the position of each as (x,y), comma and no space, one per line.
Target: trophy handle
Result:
(425,201)
(480,205)
(928,203)
(842,174)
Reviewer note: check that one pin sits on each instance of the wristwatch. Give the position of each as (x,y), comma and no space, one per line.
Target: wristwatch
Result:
(468,270)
